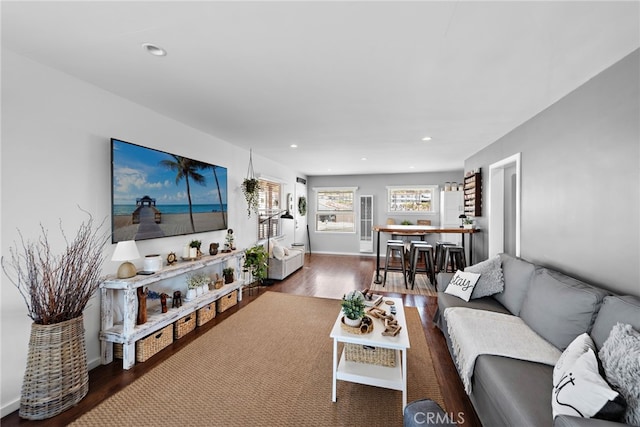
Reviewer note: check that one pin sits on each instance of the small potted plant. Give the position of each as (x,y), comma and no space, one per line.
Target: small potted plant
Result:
(227,272)
(255,261)
(196,284)
(467,222)
(353,308)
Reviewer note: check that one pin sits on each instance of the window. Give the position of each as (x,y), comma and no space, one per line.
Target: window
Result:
(335,211)
(411,198)
(268,207)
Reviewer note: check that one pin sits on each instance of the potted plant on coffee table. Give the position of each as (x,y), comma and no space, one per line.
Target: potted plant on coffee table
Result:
(353,308)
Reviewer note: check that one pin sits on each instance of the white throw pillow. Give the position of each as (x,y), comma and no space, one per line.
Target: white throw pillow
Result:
(491,277)
(278,252)
(620,356)
(462,284)
(577,348)
(286,251)
(581,391)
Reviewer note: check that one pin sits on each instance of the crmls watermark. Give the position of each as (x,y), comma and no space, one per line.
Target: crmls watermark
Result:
(430,418)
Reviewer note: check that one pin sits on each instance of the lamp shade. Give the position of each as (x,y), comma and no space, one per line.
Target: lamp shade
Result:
(125,251)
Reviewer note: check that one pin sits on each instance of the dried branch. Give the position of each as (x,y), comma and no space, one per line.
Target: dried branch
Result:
(58,288)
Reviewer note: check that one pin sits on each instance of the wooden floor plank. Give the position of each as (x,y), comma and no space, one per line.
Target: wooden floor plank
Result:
(328,276)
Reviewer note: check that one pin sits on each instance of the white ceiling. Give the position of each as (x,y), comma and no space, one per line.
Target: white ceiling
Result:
(342,80)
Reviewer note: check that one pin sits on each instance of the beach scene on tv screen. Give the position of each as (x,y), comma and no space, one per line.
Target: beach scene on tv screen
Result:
(158,194)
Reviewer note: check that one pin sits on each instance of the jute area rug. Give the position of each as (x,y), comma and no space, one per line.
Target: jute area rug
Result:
(395,283)
(269,364)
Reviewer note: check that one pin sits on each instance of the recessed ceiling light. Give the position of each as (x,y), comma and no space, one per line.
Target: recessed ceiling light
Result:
(294,146)
(412,167)
(154,49)
(426,138)
(364,158)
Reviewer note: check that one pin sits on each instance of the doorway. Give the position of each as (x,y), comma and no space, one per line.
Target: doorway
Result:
(504,206)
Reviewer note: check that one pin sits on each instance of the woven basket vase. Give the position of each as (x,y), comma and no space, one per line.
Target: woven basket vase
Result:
(56,377)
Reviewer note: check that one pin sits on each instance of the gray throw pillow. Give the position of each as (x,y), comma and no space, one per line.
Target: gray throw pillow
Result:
(620,357)
(491,279)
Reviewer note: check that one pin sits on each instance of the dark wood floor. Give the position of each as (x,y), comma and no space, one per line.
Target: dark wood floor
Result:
(328,276)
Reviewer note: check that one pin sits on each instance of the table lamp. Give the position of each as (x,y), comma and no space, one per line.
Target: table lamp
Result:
(126,251)
(462,217)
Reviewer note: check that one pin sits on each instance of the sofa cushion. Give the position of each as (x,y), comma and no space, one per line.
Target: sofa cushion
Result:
(512,392)
(620,356)
(623,309)
(517,277)
(278,252)
(462,284)
(577,348)
(581,391)
(491,279)
(559,307)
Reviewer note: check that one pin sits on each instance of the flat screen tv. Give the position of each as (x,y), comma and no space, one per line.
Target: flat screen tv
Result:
(158,194)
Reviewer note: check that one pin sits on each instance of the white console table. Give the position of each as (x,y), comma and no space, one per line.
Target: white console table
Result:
(127,332)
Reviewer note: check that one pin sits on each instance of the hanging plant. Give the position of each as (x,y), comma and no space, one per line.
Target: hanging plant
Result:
(302,205)
(251,188)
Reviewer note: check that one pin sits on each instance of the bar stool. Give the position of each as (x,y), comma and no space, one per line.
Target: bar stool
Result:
(441,260)
(392,248)
(455,256)
(426,250)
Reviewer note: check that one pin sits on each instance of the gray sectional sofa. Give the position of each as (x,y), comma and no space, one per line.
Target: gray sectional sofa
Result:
(511,392)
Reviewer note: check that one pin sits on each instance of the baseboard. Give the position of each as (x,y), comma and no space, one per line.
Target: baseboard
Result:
(10,408)
(343,253)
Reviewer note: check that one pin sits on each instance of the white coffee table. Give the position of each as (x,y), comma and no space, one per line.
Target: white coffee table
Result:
(394,378)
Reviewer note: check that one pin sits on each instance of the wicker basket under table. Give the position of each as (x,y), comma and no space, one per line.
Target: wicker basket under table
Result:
(227,301)
(150,345)
(368,354)
(184,325)
(206,313)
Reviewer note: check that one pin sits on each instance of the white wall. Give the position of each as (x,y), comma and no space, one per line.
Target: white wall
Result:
(55,157)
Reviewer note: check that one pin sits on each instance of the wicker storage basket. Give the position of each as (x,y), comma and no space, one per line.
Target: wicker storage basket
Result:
(184,325)
(227,301)
(372,355)
(148,346)
(117,350)
(206,313)
(56,377)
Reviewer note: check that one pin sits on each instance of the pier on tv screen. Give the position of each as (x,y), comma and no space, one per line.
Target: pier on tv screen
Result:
(158,194)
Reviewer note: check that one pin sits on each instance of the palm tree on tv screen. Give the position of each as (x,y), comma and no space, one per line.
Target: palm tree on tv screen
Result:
(185,168)
(215,176)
